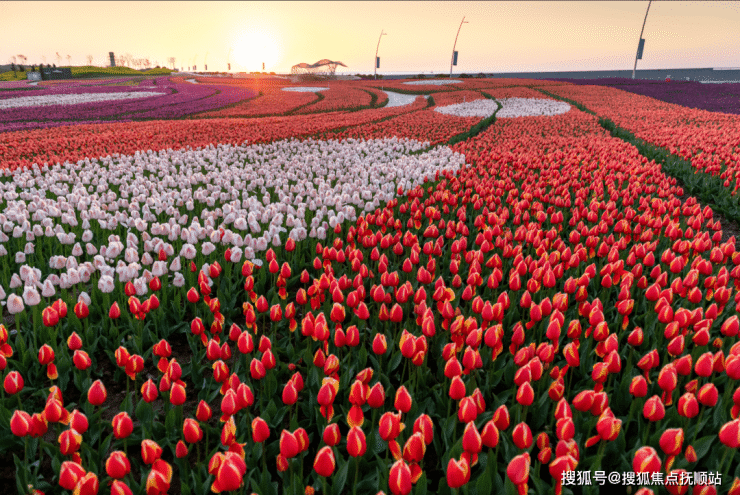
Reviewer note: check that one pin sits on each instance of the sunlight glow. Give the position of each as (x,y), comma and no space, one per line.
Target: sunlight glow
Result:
(254,47)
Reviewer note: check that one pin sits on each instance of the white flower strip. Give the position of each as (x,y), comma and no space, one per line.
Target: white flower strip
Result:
(399,99)
(47,100)
(511,107)
(305,89)
(434,82)
(530,107)
(114,215)
(476,108)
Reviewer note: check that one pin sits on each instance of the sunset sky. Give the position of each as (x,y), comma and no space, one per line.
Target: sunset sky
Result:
(500,36)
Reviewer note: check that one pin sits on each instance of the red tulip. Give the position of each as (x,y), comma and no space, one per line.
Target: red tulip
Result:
(653,410)
(260,430)
(117,465)
(646,460)
(403,400)
(159,478)
(671,441)
(87,485)
(522,436)
(96,394)
(356,442)
(70,474)
(20,423)
(729,434)
(123,426)
(399,479)
(13,383)
(324,462)
(518,469)
(150,451)
(191,431)
(289,446)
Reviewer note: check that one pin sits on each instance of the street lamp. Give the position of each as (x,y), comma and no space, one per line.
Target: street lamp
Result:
(377,60)
(641,43)
(454,53)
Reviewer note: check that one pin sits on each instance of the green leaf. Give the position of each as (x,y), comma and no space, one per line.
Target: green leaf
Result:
(421,485)
(395,361)
(340,479)
(484,485)
(702,445)
(169,420)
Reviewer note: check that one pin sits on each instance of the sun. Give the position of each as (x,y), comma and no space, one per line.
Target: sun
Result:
(253,48)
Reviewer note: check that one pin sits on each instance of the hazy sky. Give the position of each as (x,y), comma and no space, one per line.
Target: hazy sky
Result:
(500,36)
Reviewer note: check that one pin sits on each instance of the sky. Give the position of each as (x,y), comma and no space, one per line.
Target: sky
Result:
(498,36)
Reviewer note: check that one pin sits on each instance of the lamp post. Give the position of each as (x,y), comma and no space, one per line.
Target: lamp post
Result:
(641,43)
(375,71)
(455,44)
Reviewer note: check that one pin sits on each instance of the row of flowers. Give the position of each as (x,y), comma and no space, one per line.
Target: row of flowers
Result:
(709,140)
(426,125)
(70,104)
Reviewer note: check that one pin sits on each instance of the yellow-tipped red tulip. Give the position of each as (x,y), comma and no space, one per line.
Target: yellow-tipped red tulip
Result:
(518,471)
(123,426)
(289,446)
(425,426)
(415,448)
(120,488)
(69,475)
(356,442)
(729,434)
(458,472)
(260,430)
(69,442)
(87,485)
(399,479)
(324,463)
(191,431)
(150,451)
(96,394)
(646,460)
(159,478)
(117,465)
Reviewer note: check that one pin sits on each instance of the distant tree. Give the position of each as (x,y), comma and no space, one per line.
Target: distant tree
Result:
(22,58)
(59,59)
(69,59)
(89,59)
(171,61)
(12,67)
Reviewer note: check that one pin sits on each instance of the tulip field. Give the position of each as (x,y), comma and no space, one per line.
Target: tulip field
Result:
(247,286)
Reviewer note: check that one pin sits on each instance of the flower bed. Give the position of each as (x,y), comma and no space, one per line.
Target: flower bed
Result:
(723,97)
(424,125)
(168,100)
(711,141)
(553,305)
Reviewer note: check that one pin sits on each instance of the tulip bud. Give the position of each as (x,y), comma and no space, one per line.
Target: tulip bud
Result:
(117,465)
(324,462)
(399,479)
